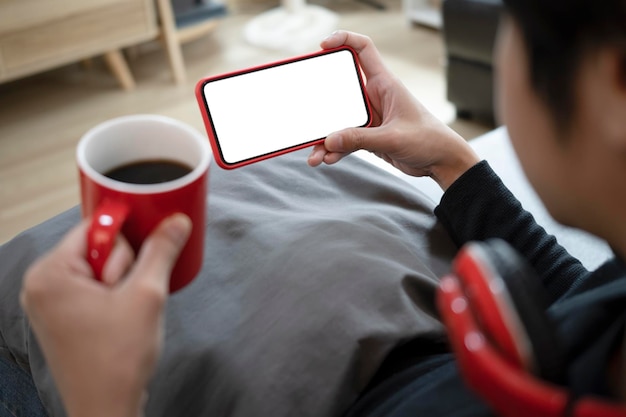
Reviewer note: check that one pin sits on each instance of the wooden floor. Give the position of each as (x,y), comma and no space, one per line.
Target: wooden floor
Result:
(43,117)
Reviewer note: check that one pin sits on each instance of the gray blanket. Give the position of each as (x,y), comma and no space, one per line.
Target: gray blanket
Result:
(310,277)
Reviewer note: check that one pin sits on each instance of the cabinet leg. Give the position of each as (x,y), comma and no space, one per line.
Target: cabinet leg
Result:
(169,35)
(117,64)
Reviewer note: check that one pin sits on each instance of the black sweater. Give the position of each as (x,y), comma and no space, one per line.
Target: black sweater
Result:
(421,377)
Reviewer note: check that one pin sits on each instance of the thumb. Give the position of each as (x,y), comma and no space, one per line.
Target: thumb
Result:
(160,251)
(353,139)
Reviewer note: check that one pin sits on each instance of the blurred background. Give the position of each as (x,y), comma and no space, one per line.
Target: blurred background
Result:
(67,65)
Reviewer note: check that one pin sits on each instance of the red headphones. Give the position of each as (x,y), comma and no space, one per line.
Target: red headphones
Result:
(506,348)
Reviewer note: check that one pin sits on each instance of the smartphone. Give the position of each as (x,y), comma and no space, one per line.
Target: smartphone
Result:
(266,111)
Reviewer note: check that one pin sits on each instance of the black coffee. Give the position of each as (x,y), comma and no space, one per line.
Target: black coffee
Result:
(149,172)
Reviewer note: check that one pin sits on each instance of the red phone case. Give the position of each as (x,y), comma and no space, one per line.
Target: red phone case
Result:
(217,153)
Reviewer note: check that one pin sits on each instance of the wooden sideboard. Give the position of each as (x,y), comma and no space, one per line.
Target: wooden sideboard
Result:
(36,35)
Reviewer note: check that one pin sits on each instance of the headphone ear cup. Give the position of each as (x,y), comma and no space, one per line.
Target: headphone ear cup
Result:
(530,303)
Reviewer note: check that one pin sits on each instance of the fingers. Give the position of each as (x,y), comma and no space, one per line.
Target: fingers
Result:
(339,144)
(52,271)
(159,253)
(320,155)
(373,139)
(75,241)
(74,246)
(119,262)
(369,57)
(317,155)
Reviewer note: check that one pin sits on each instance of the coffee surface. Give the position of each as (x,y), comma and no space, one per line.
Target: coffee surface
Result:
(149,172)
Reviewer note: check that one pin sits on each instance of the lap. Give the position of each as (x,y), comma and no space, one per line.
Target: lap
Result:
(18,394)
(310,278)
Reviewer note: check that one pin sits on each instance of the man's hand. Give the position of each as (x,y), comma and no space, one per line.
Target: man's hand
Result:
(101,341)
(403,132)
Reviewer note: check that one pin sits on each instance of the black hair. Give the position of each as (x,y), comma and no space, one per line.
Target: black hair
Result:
(558,34)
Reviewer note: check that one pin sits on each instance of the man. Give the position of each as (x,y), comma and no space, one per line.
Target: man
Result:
(562,86)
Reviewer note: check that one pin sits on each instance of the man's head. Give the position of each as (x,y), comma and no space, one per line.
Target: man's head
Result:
(559,35)
(562,94)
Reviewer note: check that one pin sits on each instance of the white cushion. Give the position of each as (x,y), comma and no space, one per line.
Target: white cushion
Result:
(496,148)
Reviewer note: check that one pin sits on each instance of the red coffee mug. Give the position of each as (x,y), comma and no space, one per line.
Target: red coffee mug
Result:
(136,209)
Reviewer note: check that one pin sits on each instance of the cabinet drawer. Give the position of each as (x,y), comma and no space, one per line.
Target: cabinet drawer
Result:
(76,37)
(18,14)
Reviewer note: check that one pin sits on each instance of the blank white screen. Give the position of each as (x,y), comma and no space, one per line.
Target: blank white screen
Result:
(276,108)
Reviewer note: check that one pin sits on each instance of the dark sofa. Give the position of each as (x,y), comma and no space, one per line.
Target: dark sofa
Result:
(470,28)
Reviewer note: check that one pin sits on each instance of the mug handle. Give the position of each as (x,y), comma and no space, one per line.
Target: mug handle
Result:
(106,223)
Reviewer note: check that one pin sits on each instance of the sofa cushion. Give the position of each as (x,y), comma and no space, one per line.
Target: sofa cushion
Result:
(310,277)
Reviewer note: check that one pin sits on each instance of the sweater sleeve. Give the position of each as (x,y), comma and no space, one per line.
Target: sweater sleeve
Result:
(479,206)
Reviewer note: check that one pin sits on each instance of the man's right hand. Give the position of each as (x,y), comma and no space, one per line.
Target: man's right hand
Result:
(403,132)
(101,340)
